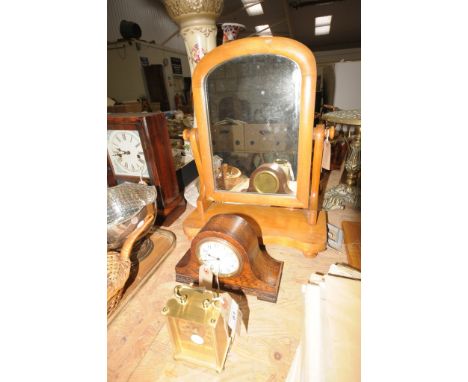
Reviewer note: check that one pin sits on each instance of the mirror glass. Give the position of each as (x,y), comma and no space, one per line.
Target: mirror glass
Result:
(253,117)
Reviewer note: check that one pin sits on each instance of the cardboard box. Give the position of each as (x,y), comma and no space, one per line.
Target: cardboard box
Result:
(260,138)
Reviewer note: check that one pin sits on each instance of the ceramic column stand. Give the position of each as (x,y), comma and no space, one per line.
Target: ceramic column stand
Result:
(196,19)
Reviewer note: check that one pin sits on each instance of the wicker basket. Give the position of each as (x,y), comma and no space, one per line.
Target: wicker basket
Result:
(118,264)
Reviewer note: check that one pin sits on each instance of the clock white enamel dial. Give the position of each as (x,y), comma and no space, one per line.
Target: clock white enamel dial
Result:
(220,256)
(126,153)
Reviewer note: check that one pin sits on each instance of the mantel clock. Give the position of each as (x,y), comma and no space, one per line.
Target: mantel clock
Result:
(229,245)
(254,106)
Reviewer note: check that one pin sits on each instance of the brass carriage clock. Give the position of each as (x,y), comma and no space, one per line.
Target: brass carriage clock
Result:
(198,329)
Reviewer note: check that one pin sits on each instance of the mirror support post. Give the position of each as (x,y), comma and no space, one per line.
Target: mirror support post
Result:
(318,137)
(192,136)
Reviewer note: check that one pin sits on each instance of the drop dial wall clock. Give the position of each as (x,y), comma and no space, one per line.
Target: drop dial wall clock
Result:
(229,245)
(126,153)
(138,147)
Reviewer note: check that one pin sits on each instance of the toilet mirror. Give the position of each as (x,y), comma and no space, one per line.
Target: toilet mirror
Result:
(253,109)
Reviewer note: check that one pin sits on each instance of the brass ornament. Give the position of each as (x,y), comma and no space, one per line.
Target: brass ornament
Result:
(348,192)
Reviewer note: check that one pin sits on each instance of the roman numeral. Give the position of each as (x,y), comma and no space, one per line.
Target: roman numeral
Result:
(138,145)
(124,136)
(116,137)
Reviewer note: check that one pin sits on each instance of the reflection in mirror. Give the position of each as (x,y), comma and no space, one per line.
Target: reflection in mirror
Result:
(253,111)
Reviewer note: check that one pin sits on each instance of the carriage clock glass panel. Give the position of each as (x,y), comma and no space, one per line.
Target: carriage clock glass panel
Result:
(253,119)
(126,153)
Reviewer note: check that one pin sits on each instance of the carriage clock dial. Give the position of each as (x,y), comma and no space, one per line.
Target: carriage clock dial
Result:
(219,256)
(126,153)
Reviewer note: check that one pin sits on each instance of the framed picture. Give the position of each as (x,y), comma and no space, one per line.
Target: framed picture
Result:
(176,64)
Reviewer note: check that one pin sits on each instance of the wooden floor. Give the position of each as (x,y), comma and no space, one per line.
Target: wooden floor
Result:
(139,348)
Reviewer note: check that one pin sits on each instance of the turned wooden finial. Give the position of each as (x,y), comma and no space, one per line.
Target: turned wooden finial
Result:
(186,134)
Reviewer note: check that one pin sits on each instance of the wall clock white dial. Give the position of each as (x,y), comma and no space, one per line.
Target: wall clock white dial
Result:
(126,153)
(220,256)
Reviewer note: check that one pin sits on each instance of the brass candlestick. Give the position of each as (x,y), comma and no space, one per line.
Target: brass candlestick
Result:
(349,191)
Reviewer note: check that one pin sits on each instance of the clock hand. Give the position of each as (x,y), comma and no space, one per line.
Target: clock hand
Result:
(123,152)
(217,258)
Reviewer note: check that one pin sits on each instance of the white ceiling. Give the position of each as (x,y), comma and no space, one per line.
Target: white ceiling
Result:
(284,20)
(150,15)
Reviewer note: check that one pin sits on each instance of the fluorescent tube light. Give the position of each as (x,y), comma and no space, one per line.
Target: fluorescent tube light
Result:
(253,7)
(255,10)
(323,20)
(319,31)
(263,30)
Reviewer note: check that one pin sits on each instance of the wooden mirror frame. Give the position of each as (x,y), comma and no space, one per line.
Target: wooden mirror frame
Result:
(305,60)
(300,225)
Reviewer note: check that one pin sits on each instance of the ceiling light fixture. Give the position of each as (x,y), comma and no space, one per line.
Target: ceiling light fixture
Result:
(325,29)
(263,30)
(323,20)
(322,25)
(253,7)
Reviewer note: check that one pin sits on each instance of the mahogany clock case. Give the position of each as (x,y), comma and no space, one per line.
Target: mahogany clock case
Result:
(155,141)
(259,273)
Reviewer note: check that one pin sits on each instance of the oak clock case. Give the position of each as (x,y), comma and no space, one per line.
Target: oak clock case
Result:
(254,106)
(229,246)
(138,147)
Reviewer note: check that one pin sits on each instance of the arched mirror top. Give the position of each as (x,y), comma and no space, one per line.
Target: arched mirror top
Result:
(254,103)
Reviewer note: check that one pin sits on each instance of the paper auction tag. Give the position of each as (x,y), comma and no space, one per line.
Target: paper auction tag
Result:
(231,313)
(326,156)
(205,277)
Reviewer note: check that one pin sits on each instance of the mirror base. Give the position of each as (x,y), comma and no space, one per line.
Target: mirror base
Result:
(276,225)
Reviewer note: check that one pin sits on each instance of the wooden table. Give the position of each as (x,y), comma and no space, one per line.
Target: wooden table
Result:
(352,242)
(139,348)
